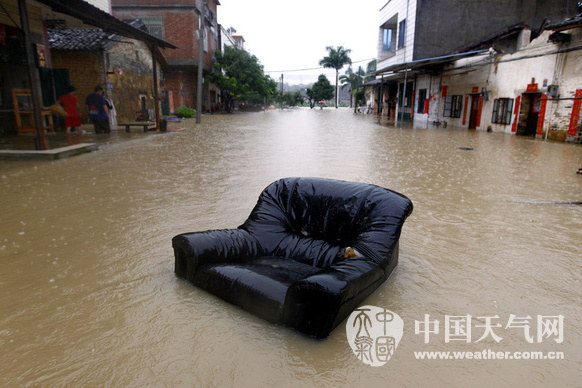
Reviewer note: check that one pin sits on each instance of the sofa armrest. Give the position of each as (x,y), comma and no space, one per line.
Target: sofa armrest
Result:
(318,303)
(191,250)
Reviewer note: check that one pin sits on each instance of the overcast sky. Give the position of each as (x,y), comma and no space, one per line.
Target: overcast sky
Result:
(292,35)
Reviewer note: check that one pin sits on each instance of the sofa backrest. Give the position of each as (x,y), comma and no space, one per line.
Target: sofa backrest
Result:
(312,220)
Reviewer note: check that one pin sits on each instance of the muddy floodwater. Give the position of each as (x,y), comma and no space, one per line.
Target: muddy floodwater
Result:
(88,296)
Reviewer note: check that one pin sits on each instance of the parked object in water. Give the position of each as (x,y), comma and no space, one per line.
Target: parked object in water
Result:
(287,262)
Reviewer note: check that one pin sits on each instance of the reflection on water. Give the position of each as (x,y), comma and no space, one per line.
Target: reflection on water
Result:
(87,291)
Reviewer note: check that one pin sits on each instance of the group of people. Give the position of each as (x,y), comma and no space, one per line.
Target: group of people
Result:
(98,106)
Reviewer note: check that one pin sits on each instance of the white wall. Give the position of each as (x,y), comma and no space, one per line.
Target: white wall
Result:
(404,9)
(104,5)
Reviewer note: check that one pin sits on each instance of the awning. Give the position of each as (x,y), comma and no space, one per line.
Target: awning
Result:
(94,16)
(428,62)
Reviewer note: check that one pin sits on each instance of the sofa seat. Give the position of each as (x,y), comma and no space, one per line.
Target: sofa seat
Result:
(258,286)
(309,253)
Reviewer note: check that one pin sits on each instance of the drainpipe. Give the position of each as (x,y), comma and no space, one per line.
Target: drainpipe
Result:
(33,77)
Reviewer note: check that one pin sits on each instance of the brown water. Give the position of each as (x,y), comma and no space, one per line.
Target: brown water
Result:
(88,296)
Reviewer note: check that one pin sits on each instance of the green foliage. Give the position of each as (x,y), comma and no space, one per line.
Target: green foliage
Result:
(321,90)
(183,111)
(240,76)
(336,59)
(355,82)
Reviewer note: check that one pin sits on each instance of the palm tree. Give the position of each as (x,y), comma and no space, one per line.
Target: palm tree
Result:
(354,81)
(336,59)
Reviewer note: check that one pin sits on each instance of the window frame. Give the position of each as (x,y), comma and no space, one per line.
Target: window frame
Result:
(502,110)
(453,106)
(402,33)
(387,39)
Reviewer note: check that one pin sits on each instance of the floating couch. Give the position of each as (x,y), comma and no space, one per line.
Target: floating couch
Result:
(287,263)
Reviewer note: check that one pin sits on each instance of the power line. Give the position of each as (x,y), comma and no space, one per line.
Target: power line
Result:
(312,68)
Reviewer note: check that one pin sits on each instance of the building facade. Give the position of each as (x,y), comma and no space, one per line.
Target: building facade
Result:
(178,21)
(516,79)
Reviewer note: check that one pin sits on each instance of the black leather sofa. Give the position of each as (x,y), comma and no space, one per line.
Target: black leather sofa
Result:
(287,262)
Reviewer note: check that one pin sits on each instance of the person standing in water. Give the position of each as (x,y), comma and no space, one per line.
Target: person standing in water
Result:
(70,102)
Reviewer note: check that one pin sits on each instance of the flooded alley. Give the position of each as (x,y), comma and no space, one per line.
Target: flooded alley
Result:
(88,295)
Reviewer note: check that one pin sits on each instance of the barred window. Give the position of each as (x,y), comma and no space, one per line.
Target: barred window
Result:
(453,106)
(502,108)
(155,25)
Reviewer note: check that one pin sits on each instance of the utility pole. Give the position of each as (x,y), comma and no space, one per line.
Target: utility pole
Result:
(281,91)
(201,35)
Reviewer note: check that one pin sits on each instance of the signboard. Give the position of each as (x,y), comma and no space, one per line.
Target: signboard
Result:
(542,116)
(575,117)
(171,101)
(41,55)
(532,88)
(516,113)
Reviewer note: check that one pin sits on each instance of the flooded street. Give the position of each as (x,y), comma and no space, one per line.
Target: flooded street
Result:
(88,296)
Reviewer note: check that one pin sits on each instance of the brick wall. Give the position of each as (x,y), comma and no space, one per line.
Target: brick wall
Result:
(84,71)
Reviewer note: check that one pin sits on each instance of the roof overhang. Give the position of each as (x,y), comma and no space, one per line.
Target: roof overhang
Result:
(426,63)
(94,16)
(575,22)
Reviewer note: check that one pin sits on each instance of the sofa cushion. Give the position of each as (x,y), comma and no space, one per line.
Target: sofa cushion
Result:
(258,285)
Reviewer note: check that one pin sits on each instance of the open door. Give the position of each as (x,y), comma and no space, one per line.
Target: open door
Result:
(475,116)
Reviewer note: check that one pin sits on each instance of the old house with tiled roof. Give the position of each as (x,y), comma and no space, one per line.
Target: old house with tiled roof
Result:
(88,57)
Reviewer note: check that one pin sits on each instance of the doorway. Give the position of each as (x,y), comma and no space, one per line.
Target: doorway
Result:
(475,116)
(529,112)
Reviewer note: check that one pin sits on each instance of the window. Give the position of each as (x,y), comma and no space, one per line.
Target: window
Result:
(453,106)
(402,33)
(421,101)
(387,39)
(155,26)
(502,111)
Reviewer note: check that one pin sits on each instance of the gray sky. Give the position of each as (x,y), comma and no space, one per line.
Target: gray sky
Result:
(293,35)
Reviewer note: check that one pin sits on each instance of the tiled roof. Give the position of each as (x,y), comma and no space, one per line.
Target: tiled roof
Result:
(572,22)
(78,39)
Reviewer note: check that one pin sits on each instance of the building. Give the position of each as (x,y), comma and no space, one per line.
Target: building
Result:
(178,21)
(519,81)
(25,55)
(413,30)
(123,66)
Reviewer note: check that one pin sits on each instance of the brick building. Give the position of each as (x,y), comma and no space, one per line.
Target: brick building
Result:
(177,21)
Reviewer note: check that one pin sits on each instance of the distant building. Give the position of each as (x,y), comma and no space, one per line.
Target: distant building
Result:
(519,81)
(418,38)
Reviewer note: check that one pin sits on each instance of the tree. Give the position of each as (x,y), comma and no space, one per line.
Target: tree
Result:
(321,90)
(370,68)
(336,59)
(293,99)
(240,76)
(355,82)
